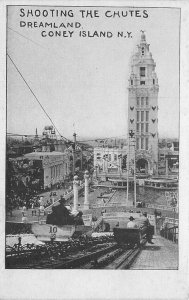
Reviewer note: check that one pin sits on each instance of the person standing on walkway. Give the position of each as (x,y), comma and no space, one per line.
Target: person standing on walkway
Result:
(33,209)
(149,229)
(23,210)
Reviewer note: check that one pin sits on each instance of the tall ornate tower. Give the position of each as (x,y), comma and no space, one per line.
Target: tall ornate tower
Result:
(143,107)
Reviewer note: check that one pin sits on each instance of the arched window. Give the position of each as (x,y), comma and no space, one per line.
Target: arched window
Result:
(142,71)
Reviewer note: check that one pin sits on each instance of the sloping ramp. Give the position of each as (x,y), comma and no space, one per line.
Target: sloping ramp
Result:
(162,255)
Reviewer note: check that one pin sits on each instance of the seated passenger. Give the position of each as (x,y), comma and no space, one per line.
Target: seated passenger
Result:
(78,220)
(51,218)
(146,221)
(60,215)
(131,223)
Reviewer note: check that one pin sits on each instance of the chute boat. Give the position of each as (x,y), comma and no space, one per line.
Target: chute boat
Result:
(50,232)
(61,225)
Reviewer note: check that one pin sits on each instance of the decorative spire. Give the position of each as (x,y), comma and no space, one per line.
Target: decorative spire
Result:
(143,37)
(36,135)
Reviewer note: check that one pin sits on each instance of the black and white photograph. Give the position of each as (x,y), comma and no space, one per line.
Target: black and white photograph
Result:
(92,172)
(92,138)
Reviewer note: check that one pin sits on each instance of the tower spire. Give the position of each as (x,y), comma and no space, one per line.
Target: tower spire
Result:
(143,36)
(36,135)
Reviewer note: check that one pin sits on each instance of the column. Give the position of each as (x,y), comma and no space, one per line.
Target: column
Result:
(120,163)
(75,192)
(73,152)
(86,202)
(103,161)
(97,171)
(155,224)
(166,167)
(95,176)
(135,200)
(41,202)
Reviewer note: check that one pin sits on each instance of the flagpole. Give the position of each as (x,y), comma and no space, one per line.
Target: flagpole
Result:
(135,172)
(73,152)
(128,170)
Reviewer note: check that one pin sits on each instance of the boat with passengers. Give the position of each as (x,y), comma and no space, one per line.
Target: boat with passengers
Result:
(121,183)
(161,183)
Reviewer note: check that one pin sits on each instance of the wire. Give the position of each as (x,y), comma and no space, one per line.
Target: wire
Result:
(46,49)
(26,38)
(35,97)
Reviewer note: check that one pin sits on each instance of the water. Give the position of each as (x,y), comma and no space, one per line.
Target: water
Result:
(143,194)
(149,195)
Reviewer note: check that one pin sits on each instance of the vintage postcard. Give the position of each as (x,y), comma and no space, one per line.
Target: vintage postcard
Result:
(95,150)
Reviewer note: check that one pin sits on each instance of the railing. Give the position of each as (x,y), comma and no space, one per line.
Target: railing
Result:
(170,233)
(110,198)
(112,204)
(112,173)
(172,221)
(162,207)
(67,197)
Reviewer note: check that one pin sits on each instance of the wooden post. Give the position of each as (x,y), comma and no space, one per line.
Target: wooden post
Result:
(128,171)
(134,174)
(86,202)
(166,167)
(73,151)
(75,191)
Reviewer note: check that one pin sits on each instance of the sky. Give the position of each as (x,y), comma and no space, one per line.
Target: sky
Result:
(82,81)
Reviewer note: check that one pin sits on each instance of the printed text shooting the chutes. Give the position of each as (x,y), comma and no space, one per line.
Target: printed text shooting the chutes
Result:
(83,13)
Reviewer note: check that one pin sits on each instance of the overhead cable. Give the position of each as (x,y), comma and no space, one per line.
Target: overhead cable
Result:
(35,96)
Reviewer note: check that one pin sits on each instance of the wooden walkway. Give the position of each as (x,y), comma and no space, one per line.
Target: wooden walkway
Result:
(162,255)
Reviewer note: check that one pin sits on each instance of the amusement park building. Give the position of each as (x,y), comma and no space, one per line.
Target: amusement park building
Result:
(55,166)
(110,161)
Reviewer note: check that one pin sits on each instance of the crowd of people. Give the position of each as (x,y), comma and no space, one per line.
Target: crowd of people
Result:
(30,199)
(15,201)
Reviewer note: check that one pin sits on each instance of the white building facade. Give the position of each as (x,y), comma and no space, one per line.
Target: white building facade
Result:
(110,162)
(55,166)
